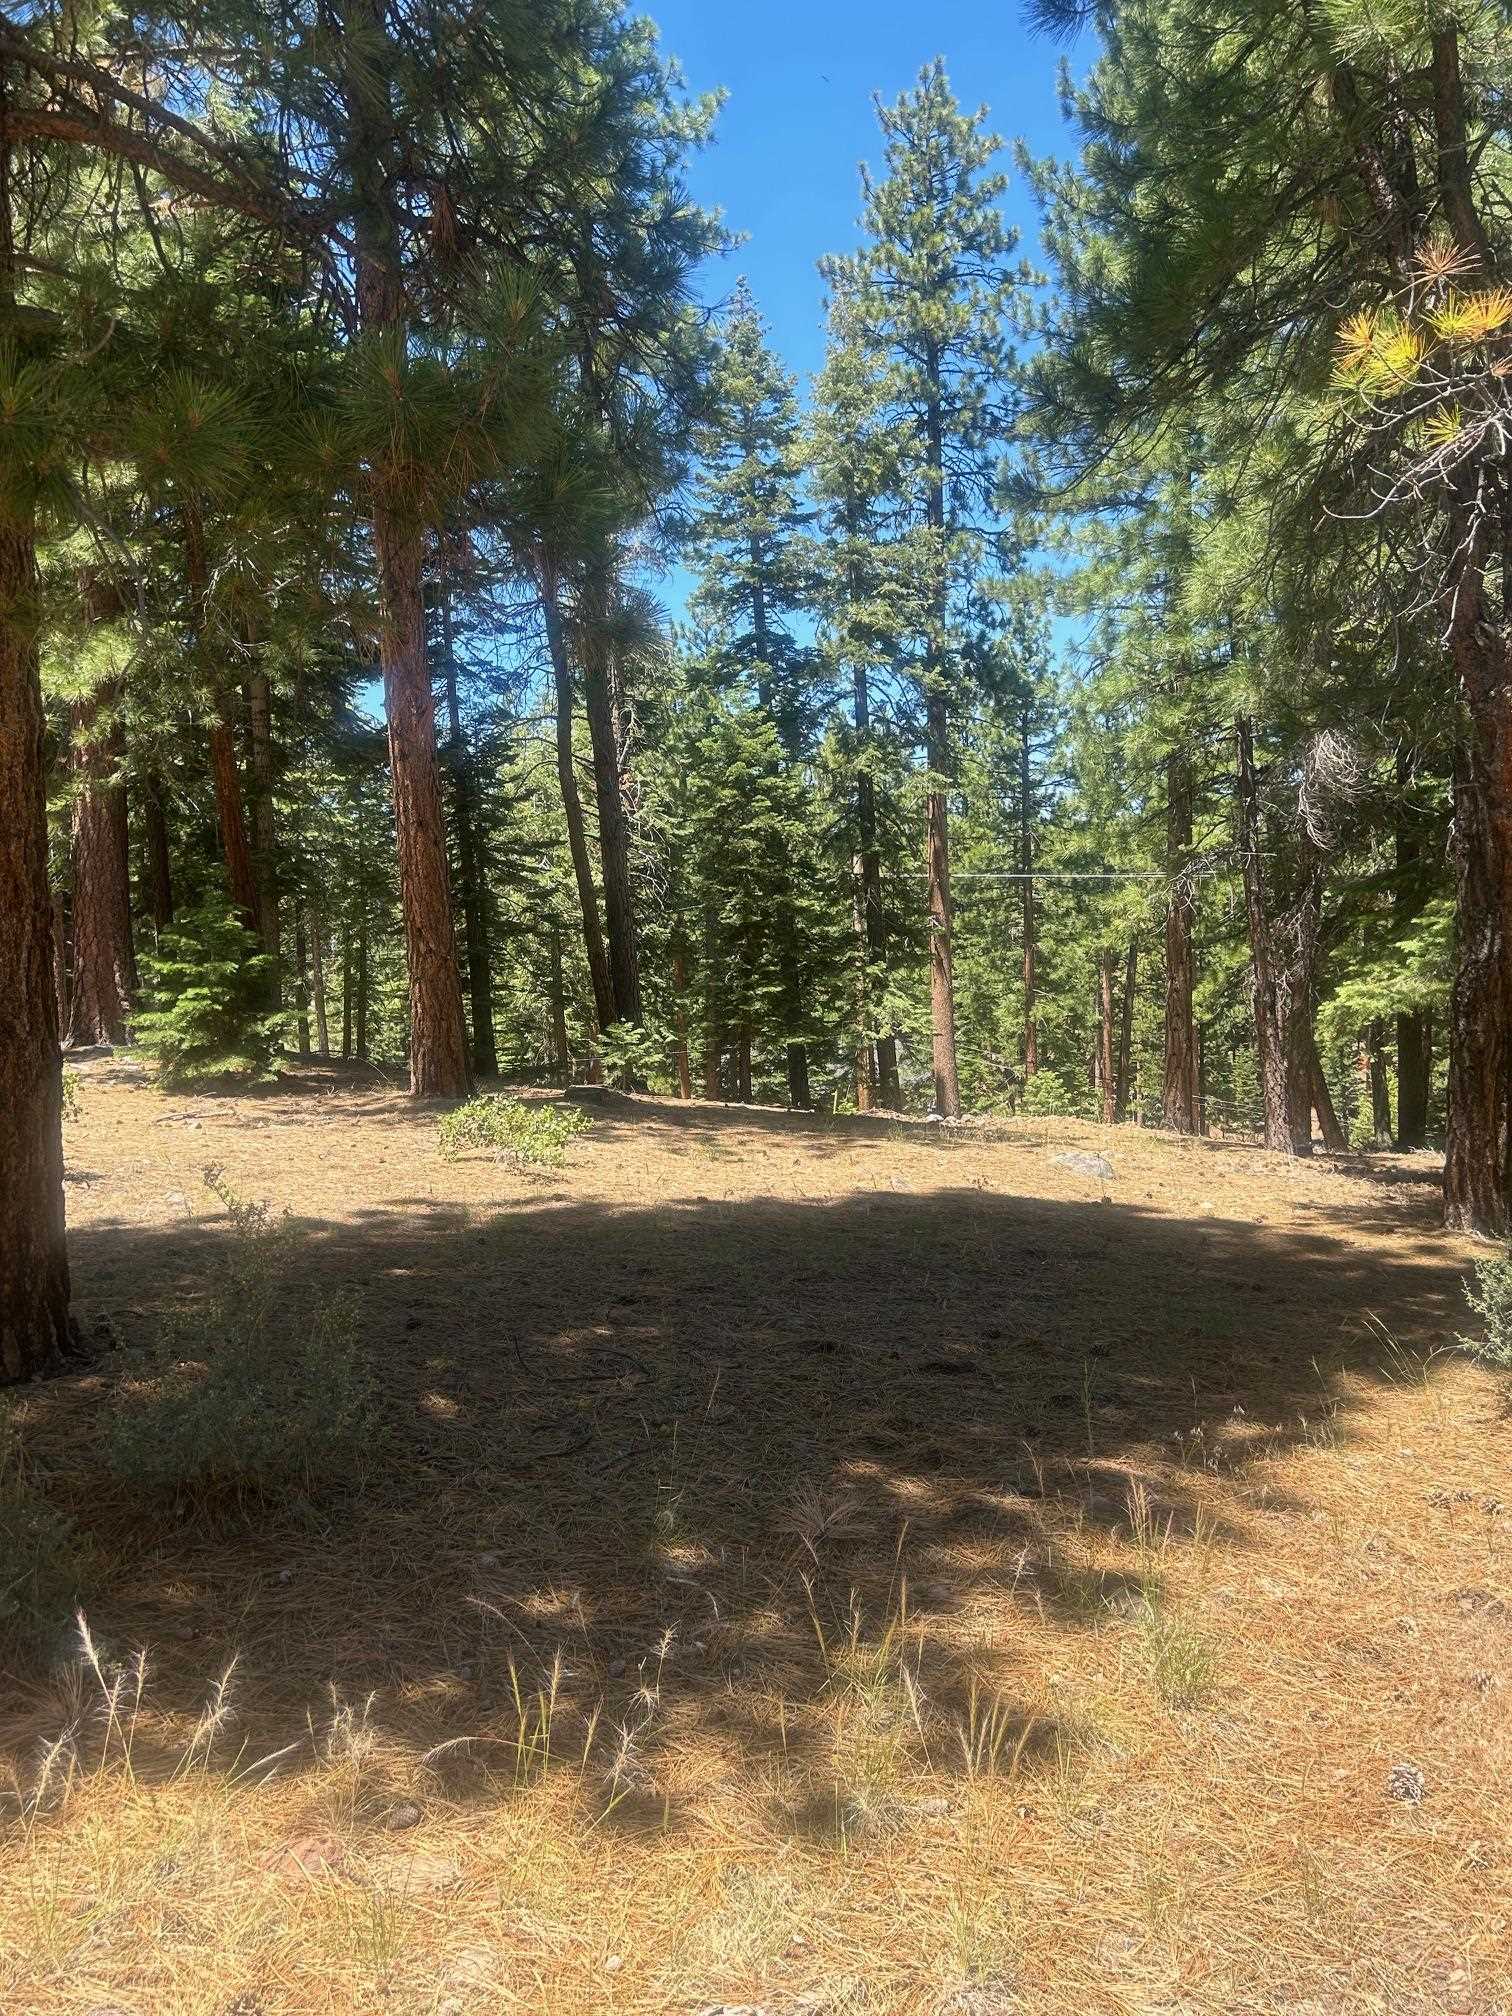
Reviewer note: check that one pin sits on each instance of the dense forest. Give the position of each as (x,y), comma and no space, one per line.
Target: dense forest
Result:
(1093,693)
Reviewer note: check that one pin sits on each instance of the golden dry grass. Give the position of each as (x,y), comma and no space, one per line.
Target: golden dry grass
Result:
(813,1567)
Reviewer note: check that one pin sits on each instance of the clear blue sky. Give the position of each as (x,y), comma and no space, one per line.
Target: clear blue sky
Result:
(801,75)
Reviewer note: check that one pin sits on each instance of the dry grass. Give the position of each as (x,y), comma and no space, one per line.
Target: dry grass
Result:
(824,1568)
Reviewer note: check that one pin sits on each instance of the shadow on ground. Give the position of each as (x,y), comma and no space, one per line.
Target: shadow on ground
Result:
(726,1422)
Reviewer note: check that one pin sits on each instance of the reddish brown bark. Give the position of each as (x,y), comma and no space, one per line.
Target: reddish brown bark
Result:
(35,1328)
(438,1029)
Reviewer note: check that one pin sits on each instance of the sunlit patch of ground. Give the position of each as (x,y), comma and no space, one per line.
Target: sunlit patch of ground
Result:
(814,1567)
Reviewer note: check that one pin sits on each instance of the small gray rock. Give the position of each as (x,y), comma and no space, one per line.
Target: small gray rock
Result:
(1086,1165)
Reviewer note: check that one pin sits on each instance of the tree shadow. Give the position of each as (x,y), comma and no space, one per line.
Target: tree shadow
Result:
(694,1448)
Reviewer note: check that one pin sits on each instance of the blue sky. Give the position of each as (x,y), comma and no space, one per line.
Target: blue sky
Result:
(801,75)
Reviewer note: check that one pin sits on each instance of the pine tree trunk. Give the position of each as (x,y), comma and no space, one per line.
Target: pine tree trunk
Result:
(572,804)
(561,1045)
(1026,869)
(947,1086)
(60,957)
(1179,1100)
(230,813)
(470,875)
(1380,1086)
(438,1032)
(743,1066)
(680,1022)
(1282,989)
(1414,1077)
(362,983)
(265,828)
(1126,1035)
(599,701)
(302,983)
(104,966)
(36,1331)
(873,914)
(346,989)
(864,1060)
(713,1033)
(1107,1069)
(1320,1101)
(317,967)
(159,871)
(1480,1049)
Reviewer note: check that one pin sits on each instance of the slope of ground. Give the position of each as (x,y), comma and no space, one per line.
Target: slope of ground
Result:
(812,1567)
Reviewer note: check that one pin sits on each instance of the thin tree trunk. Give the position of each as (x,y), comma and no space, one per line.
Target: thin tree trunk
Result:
(1179,1099)
(1380,1085)
(563,1048)
(302,985)
(362,982)
(743,1066)
(1126,1035)
(595,656)
(1412,1040)
(713,1033)
(265,823)
(947,1086)
(470,876)
(104,967)
(1281,991)
(346,989)
(865,1058)
(60,956)
(1026,869)
(1320,1101)
(317,966)
(159,875)
(438,1033)
(680,1021)
(1107,1069)
(572,804)
(230,810)
(36,1331)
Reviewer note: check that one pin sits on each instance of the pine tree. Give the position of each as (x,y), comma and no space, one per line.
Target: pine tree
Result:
(748,536)
(934,295)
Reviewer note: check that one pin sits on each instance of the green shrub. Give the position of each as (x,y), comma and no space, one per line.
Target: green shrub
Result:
(633,1053)
(205,1015)
(73,1106)
(247,1391)
(1490,1298)
(39,1568)
(1047,1095)
(527,1134)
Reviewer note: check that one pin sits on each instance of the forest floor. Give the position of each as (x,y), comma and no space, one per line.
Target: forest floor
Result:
(949,1588)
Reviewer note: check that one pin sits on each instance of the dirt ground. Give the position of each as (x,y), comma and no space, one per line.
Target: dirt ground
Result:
(814,1568)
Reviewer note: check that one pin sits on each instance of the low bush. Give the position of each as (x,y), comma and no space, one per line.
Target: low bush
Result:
(1048,1096)
(1490,1298)
(245,1392)
(526,1134)
(39,1566)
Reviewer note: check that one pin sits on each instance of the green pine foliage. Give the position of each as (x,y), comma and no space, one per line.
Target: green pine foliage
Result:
(205,1019)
